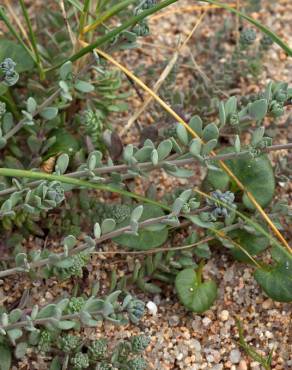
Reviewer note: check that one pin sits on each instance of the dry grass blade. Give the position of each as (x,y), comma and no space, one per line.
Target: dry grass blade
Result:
(193,133)
(64,14)
(17,20)
(163,76)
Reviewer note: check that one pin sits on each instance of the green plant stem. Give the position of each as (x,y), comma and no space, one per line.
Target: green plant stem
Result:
(47,320)
(199,272)
(45,103)
(83,16)
(84,247)
(33,40)
(108,14)
(22,122)
(149,166)
(10,172)
(250,351)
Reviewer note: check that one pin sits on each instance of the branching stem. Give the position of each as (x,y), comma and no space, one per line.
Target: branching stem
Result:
(149,166)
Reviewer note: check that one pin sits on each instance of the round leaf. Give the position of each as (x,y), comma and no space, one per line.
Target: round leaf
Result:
(258,109)
(194,295)
(253,244)
(64,143)
(5,356)
(11,49)
(255,174)
(277,282)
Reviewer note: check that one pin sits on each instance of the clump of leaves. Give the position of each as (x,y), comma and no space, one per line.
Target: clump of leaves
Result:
(59,147)
(98,354)
(44,328)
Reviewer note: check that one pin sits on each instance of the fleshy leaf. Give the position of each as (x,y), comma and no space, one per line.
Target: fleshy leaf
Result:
(253,244)
(277,282)
(255,174)
(194,295)
(11,49)
(5,356)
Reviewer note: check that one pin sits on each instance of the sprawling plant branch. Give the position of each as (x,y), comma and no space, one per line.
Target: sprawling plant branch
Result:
(148,166)
(98,241)
(180,120)
(83,247)
(22,122)
(46,320)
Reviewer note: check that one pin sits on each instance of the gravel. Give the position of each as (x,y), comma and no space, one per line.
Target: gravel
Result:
(235,356)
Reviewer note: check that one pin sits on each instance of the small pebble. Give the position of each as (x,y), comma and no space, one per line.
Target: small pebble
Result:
(242,365)
(196,323)
(217,367)
(174,320)
(269,335)
(267,304)
(224,315)
(195,344)
(255,365)
(206,321)
(179,357)
(152,308)
(235,356)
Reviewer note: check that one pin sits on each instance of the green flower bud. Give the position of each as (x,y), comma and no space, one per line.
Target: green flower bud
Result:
(234,119)
(68,343)
(97,349)
(276,108)
(266,42)
(80,361)
(45,341)
(135,310)
(75,305)
(137,363)
(139,343)
(247,37)
(103,366)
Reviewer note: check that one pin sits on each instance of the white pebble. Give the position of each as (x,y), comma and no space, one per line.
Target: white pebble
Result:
(206,321)
(152,308)
(196,345)
(217,367)
(224,315)
(235,356)
(179,357)
(269,335)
